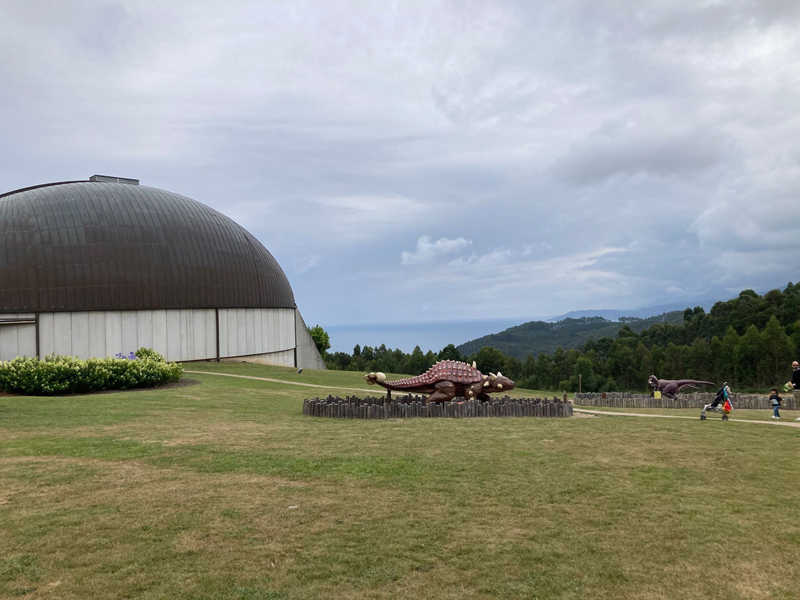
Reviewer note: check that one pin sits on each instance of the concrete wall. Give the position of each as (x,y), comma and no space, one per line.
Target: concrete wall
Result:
(180,335)
(255,331)
(17,340)
(264,335)
(284,358)
(308,356)
(177,334)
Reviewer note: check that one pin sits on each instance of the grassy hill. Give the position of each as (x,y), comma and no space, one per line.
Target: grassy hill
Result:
(223,490)
(539,336)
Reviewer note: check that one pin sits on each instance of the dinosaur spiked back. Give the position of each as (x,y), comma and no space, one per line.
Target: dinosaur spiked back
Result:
(446,370)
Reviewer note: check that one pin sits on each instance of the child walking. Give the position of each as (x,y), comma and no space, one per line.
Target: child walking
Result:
(775,400)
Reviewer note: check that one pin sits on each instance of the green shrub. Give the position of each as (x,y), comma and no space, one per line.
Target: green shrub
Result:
(609,386)
(149,353)
(55,374)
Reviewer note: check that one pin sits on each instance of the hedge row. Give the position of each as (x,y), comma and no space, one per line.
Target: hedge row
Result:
(56,374)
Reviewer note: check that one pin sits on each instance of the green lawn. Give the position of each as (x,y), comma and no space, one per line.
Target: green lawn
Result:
(224,490)
(344,379)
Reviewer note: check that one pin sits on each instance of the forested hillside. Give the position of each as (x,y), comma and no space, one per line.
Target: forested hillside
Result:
(539,336)
(748,341)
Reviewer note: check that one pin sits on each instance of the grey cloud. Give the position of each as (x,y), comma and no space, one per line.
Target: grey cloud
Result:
(341,133)
(624,148)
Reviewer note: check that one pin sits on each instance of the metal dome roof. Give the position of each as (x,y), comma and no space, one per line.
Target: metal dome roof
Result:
(112,246)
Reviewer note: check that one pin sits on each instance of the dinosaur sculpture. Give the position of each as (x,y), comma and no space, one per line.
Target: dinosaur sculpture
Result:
(446,380)
(670,387)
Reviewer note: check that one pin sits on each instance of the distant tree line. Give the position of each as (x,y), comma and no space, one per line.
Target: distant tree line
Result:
(748,341)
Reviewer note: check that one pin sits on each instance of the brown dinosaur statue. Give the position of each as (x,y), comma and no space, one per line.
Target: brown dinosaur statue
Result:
(446,380)
(670,387)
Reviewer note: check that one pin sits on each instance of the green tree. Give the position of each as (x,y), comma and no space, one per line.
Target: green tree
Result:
(450,352)
(529,366)
(622,361)
(658,356)
(490,360)
(699,360)
(749,356)
(338,361)
(777,352)
(609,385)
(430,359)
(603,346)
(321,338)
(728,365)
(385,360)
(512,367)
(584,375)
(715,354)
(673,365)
(543,372)
(357,364)
(790,311)
(796,337)
(417,363)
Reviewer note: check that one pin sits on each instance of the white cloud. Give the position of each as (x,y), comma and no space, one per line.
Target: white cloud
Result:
(427,249)
(305,263)
(375,209)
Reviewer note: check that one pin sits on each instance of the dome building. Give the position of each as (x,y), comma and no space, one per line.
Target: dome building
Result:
(93,268)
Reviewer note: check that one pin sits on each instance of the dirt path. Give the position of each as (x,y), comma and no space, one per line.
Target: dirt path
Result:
(628,414)
(313,385)
(577,410)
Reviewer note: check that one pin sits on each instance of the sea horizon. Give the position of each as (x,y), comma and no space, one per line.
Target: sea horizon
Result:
(430,335)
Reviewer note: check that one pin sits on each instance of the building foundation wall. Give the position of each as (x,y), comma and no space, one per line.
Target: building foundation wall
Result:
(178,334)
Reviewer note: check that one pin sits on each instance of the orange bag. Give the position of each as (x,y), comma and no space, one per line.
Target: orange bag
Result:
(727,407)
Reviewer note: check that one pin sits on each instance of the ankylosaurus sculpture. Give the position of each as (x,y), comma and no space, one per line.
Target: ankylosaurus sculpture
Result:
(446,380)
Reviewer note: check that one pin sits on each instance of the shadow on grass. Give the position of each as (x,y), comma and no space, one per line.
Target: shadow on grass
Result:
(208,459)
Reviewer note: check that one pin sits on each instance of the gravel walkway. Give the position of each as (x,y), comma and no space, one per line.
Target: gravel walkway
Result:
(629,414)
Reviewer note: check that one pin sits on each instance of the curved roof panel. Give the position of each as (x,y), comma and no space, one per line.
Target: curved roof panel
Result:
(111,246)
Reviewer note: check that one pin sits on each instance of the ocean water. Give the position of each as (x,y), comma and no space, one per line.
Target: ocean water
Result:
(428,336)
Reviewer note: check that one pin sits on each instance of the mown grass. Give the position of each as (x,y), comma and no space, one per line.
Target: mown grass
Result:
(225,491)
(347,380)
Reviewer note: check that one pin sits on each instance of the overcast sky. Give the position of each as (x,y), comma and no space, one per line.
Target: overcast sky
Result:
(415,161)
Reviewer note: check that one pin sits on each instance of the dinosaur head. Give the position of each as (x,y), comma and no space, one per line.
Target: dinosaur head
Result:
(653,380)
(373,378)
(497,383)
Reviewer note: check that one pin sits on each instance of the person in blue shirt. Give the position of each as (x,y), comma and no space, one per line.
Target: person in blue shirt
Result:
(775,401)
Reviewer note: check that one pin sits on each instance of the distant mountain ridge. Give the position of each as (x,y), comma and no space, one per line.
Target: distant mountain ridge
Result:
(542,336)
(643,312)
